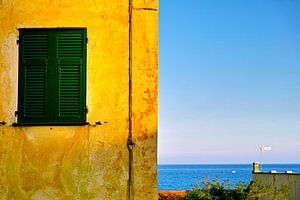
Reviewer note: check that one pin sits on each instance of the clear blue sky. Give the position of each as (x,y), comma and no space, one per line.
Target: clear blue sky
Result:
(229,81)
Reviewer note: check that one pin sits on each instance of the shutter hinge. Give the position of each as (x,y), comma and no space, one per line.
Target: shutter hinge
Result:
(86,109)
(99,123)
(18,41)
(87,40)
(16,113)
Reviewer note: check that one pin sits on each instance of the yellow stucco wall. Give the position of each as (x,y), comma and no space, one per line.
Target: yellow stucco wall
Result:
(84,162)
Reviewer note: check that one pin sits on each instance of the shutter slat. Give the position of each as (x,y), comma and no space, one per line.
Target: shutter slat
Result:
(70,52)
(70,45)
(35,86)
(35,46)
(34,56)
(69,90)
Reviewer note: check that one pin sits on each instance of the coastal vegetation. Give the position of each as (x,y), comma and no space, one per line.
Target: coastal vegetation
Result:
(214,190)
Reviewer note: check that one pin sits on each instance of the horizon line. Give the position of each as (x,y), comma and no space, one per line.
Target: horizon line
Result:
(288,163)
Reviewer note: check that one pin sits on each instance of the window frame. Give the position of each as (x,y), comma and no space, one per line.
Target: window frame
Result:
(52,72)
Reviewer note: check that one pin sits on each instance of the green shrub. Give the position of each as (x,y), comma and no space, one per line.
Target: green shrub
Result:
(257,190)
(214,190)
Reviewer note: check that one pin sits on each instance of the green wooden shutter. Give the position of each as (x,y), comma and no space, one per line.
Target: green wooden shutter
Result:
(52,76)
(71,48)
(33,76)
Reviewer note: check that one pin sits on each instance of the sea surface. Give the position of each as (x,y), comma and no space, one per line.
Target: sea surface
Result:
(183,177)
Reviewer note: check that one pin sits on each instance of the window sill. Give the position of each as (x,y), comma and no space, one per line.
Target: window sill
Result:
(52,124)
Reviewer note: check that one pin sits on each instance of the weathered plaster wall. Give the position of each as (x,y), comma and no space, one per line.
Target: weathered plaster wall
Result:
(278,180)
(145,67)
(85,162)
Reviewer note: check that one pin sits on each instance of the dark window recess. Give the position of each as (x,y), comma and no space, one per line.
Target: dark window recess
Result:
(52,76)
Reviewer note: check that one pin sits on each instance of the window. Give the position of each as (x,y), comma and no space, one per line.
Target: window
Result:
(52,76)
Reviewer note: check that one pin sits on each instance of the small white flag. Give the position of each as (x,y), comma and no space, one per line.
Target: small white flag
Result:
(265,148)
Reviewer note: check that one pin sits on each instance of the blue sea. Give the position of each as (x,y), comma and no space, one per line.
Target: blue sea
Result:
(183,177)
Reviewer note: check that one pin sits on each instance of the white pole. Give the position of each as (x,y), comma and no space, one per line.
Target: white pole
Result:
(263,148)
(261,161)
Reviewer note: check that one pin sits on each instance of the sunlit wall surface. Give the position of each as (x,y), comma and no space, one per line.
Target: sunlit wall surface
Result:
(89,161)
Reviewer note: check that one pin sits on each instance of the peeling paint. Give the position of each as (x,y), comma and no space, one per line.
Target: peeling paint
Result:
(84,162)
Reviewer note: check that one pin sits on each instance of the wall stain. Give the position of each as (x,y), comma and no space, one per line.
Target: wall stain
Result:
(86,162)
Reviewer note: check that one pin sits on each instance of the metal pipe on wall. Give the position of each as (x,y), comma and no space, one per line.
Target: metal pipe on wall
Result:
(129,139)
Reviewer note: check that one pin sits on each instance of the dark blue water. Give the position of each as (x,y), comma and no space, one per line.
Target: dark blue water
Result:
(183,177)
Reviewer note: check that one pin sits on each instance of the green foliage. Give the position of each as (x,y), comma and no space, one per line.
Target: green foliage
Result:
(214,190)
(257,190)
